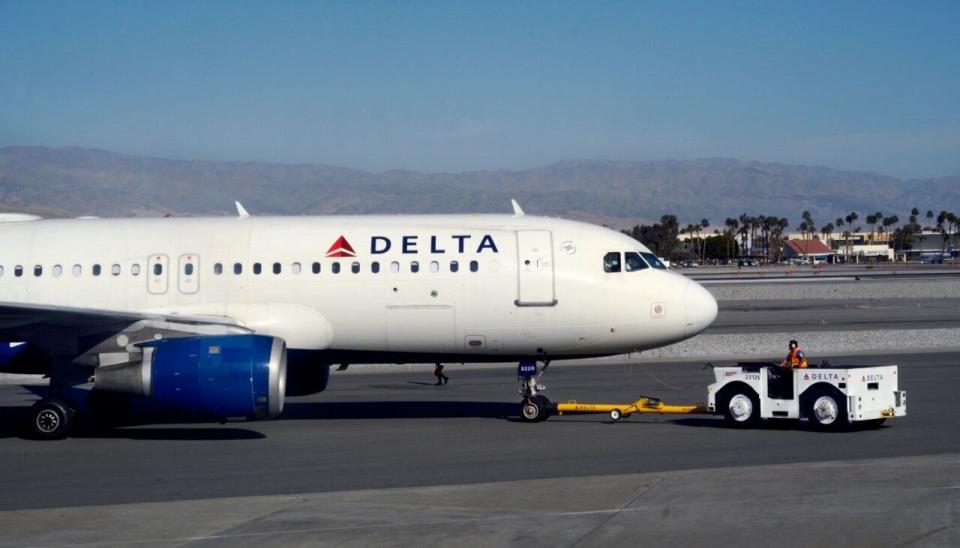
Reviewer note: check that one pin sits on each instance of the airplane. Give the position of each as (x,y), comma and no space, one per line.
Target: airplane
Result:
(227,316)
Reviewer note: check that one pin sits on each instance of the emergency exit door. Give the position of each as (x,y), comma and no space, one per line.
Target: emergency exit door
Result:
(157,267)
(188,279)
(535,264)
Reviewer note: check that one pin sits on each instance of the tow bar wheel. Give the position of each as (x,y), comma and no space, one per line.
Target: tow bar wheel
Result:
(615,414)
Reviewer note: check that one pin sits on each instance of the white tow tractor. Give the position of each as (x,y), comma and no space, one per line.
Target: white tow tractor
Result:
(831,398)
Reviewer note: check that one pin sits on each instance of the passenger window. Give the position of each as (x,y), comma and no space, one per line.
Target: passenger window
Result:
(633,262)
(96,269)
(38,271)
(474,266)
(77,270)
(188,269)
(157,269)
(237,268)
(454,266)
(375,267)
(1,271)
(277,268)
(115,270)
(218,269)
(611,262)
(57,270)
(257,268)
(415,266)
(18,271)
(316,268)
(434,266)
(295,268)
(135,269)
(355,268)
(395,267)
(335,268)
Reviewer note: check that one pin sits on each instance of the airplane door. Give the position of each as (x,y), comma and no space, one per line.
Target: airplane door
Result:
(535,264)
(188,278)
(157,274)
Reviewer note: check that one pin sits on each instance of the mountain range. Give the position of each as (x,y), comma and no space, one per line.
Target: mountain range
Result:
(77,181)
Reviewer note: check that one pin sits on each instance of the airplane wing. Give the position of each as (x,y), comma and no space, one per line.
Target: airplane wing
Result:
(61,329)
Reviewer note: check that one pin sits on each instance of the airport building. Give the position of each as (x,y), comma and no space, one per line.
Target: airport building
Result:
(932,247)
(808,251)
(858,247)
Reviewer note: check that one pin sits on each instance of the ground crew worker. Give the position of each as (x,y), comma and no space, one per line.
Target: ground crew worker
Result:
(795,358)
(438,372)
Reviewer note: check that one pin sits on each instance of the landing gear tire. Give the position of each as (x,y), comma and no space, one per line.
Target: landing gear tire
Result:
(741,408)
(535,409)
(51,419)
(827,410)
(615,415)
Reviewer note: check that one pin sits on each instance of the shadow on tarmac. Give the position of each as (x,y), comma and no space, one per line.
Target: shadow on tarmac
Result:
(775,425)
(399,410)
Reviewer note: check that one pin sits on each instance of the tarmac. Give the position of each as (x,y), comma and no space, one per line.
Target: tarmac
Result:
(389,459)
(383,457)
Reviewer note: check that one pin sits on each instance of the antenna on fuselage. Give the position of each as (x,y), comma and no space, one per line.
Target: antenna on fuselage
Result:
(517,210)
(241,211)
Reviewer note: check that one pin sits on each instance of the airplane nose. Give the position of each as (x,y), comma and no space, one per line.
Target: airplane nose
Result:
(701,309)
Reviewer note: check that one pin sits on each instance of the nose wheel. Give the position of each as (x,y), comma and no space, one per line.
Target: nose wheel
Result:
(534,407)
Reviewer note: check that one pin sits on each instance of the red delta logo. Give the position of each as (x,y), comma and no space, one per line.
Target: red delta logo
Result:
(341,248)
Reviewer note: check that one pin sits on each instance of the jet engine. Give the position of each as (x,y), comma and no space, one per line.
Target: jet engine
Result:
(224,376)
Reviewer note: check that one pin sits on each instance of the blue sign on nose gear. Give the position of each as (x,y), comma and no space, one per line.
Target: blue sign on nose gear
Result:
(527,369)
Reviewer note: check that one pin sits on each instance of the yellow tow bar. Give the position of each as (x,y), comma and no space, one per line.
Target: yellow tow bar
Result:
(619,410)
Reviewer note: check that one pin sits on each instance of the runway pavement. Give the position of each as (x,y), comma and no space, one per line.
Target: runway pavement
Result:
(835,315)
(338,467)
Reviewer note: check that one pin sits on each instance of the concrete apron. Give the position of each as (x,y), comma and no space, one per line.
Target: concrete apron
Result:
(884,502)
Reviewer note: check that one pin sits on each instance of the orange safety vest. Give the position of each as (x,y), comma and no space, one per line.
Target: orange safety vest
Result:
(796,361)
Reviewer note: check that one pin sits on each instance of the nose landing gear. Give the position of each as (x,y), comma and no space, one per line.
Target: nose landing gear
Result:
(534,407)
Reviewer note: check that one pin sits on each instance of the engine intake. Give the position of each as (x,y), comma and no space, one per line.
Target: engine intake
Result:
(227,375)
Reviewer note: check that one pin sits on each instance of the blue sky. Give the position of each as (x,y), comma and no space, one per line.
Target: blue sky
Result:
(452,86)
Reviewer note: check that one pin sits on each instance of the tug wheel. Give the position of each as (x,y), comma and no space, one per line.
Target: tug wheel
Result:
(741,407)
(827,410)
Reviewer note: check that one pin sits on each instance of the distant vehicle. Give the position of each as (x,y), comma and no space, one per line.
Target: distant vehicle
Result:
(689,264)
(747,262)
(933,257)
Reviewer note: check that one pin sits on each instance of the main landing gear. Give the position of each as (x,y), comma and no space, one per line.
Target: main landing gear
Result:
(51,419)
(534,407)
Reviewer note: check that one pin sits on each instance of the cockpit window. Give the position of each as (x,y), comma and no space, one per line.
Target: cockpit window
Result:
(654,261)
(611,262)
(633,262)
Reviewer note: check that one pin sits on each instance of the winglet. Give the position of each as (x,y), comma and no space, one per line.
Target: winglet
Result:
(517,210)
(241,211)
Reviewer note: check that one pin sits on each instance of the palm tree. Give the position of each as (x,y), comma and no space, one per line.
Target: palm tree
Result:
(929,218)
(732,226)
(872,220)
(704,223)
(889,222)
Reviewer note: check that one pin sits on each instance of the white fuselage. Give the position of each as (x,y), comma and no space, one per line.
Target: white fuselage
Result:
(486,285)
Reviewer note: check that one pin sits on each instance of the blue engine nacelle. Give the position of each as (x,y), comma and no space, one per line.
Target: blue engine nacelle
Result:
(225,376)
